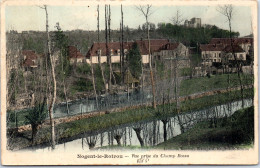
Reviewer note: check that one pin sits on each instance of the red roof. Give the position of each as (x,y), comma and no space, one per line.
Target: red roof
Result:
(155,45)
(211,47)
(29,63)
(170,46)
(30,58)
(74,53)
(236,41)
(235,49)
(30,54)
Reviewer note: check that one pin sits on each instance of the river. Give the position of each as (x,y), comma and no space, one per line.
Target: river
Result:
(152,132)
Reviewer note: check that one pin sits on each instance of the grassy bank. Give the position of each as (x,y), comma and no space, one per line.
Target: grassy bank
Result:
(235,132)
(203,84)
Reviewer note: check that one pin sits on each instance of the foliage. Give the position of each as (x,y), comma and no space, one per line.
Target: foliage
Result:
(195,59)
(135,61)
(82,85)
(160,68)
(16,81)
(83,69)
(236,133)
(99,80)
(193,36)
(37,114)
(185,71)
(34,44)
(61,42)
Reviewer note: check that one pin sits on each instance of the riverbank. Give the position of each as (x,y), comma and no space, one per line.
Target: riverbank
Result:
(71,130)
(235,132)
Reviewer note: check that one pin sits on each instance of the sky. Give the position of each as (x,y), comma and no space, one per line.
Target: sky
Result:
(22,18)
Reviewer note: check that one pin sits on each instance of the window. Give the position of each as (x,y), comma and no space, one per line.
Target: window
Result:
(99,52)
(241,56)
(214,60)
(219,55)
(215,54)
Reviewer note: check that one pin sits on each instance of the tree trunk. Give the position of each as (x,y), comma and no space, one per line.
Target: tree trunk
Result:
(66,98)
(122,53)
(138,134)
(150,65)
(118,138)
(34,132)
(99,53)
(54,82)
(164,121)
(93,82)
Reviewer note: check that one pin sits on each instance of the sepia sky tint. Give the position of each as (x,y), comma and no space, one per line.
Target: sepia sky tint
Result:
(85,17)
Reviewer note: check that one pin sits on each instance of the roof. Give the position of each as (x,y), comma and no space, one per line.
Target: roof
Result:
(211,47)
(30,58)
(155,45)
(236,41)
(30,54)
(29,63)
(74,53)
(102,46)
(170,46)
(235,49)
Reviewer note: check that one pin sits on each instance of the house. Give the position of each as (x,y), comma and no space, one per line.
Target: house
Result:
(114,49)
(211,53)
(29,59)
(245,43)
(75,55)
(173,51)
(217,53)
(232,53)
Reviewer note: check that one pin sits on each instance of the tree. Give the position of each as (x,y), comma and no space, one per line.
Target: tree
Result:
(122,53)
(36,117)
(52,62)
(177,19)
(99,53)
(228,12)
(64,68)
(151,26)
(135,61)
(146,11)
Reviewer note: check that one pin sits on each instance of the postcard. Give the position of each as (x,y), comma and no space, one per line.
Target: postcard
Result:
(129,82)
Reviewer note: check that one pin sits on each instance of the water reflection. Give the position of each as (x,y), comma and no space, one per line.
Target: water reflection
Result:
(148,133)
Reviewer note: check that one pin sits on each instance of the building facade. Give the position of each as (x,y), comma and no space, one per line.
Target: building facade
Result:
(100,50)
(194,23)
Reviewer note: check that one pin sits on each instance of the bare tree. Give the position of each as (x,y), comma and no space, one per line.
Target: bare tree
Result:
(52,62)
(93,82)
(99,52)
(146,11)
(228,12)
(122,53)
(177,19)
